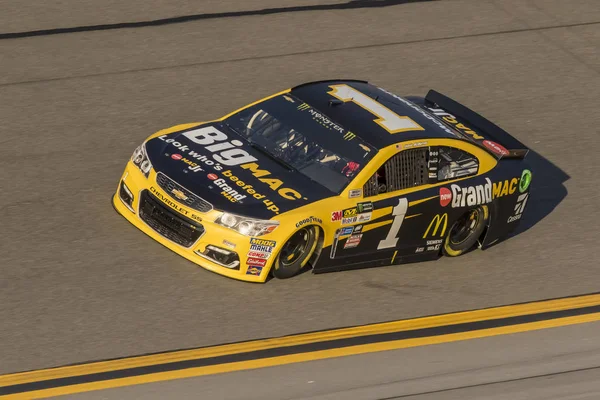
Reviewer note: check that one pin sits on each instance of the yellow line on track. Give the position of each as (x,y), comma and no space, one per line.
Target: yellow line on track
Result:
(302,357)
(374,329)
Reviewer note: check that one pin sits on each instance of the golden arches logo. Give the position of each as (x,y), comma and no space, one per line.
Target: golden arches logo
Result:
(437,220)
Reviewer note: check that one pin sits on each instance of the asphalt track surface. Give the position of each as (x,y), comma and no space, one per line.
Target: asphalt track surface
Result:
(545,365)
(78,283)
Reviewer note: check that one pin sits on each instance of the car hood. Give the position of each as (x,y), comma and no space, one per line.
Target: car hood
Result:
(218,165)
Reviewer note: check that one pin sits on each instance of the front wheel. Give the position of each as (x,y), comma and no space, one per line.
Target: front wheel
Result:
(296,252)
(465,232)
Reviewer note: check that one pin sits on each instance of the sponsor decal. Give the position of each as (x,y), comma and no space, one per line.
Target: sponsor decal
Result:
(182,147)
(225,152)
(256,262)
(229,244)
(354,193)
(419,249)
(327,123)
(194,156)
(351,220)
(228,192)
(192,166)
(364,207)
(322,119)
(471,195)
(212,177)
(519,207)
(349,136)
(445,196)
(451,119)
(167,200)
(309,220)
(495,147)
(353,241)
(262,245)
(346,231)
(273,183)
(258,254)
(251,191)
(525,180)
(336,216)
(364,217)
(222,150)
(434,242)
(350,212)
(254,270)
(432,248)
(478,194)
(435,223)
(504,188)
(358,228)
(261,248)
(412,145)
(263,242)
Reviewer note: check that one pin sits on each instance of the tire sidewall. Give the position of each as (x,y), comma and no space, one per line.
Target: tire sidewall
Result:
(281,272)
(452,249)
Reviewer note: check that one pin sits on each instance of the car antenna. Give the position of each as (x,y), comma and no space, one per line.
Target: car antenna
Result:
(335,102)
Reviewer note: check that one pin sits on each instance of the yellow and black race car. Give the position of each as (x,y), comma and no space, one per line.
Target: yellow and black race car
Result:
(328,175)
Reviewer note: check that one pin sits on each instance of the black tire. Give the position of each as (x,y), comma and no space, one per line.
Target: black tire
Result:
(465,232)
(296,252)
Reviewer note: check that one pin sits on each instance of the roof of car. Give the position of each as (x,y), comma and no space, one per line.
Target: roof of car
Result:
(320,95)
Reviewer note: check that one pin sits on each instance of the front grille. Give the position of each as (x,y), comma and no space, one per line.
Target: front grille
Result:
(169,224)
(192,200)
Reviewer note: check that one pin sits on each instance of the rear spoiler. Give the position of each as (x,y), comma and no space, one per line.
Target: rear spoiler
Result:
(487,129)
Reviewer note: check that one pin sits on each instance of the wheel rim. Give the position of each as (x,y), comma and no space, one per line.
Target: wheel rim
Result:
(464,227)
(295,247)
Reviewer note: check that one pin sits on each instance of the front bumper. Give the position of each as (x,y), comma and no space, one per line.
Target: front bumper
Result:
(183,230)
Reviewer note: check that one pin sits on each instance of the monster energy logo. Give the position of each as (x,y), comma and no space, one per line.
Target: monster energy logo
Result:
(303,107)
(349,136)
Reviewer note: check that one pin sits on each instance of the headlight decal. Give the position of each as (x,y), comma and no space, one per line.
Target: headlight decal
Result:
(246,226)
(141,160)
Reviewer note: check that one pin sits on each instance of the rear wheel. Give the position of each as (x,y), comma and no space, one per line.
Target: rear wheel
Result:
(296,252)
(465,232)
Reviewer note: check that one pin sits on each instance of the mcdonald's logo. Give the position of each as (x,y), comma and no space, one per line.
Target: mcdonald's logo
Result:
(349,136)
(303,107)
(437,220)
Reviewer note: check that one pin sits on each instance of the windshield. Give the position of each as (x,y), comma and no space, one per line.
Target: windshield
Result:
(303,139)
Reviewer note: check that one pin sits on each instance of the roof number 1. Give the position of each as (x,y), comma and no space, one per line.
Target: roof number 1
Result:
(387,119)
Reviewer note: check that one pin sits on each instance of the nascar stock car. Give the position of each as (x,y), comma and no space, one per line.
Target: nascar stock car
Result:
(328,175)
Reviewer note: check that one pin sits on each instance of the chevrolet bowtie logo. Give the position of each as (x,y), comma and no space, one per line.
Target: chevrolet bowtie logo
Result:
(179,194)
